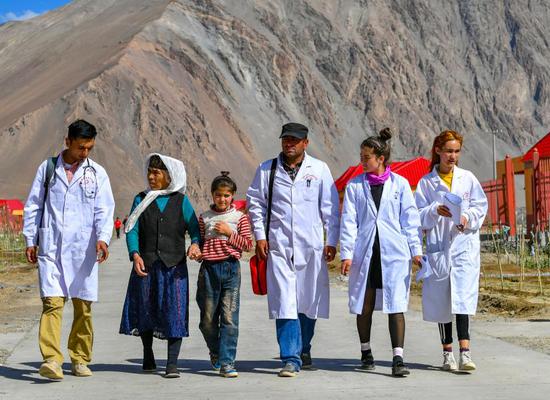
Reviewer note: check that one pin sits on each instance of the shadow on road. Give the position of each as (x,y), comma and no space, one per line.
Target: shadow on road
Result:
(24,374)
(203,367)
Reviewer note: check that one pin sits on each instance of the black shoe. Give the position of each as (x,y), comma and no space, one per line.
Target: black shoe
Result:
(367,360)
(306,360)
(398,368)
(215,362)
(172,371)
(149,364)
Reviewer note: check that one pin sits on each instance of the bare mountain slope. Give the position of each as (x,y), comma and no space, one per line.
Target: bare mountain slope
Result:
(211,82)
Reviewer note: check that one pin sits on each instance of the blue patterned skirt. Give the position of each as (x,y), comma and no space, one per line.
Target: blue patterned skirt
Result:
(158,302)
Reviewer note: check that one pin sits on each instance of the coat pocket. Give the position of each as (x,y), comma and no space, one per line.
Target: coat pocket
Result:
(310,190)
(44,241)
(439,264)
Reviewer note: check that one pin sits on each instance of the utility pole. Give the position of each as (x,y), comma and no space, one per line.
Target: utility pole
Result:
(494,155)
(497,186)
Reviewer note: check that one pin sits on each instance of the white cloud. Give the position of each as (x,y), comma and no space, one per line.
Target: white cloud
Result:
(11,16)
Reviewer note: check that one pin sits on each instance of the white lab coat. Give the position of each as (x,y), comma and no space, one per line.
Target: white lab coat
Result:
(75,217)
(400,236)
(297,274)
(454,256)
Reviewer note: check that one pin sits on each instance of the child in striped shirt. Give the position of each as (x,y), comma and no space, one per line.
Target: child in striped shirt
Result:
(225,234)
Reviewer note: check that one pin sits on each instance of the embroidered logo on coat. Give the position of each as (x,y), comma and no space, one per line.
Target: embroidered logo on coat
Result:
(309,178)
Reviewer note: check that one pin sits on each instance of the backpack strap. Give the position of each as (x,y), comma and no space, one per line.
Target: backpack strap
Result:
(270,195)
(50,170)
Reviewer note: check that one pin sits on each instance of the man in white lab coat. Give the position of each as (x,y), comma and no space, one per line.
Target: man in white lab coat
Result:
(304,207)
(68,223)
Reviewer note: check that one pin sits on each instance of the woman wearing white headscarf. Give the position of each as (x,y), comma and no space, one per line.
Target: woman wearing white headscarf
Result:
(158,291)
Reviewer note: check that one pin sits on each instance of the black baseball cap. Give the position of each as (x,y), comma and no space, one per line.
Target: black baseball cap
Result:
(294,129)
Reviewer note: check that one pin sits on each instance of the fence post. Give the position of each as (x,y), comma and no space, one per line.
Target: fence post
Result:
(510,195)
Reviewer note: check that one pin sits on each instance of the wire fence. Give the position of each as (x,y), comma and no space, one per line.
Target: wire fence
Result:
(12,243)
(522,260)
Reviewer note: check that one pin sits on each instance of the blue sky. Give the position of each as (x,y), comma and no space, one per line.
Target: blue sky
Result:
(24,9)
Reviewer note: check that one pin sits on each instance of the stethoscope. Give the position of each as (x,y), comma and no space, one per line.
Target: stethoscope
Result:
(87,183)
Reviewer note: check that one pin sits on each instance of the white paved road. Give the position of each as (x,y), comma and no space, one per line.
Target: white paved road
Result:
(505,371)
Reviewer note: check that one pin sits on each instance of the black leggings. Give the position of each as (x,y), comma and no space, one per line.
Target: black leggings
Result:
(174,345)
(396,322)
(462,329)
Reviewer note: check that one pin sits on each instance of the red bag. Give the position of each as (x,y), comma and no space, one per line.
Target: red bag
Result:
(258,274)
(258,267)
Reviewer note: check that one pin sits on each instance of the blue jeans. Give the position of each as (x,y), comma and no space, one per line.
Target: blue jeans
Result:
(218,296)
(294,337)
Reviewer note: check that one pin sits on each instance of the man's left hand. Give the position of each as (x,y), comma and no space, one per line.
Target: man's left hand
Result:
(102,251)
(330,253)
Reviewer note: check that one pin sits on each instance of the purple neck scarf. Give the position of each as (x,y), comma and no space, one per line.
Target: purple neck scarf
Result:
(378,179)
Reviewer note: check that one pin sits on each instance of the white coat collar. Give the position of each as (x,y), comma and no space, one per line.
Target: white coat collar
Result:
(388,185)
(458,175)
(306,164)
(60,170)
(80,171)
(304,168)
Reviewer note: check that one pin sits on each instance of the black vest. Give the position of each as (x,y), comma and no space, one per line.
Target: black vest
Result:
(162,235)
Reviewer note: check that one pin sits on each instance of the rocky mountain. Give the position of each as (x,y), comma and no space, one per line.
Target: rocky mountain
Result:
(211,82)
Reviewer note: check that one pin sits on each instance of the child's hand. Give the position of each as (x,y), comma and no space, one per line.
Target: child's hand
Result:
(223,228)
(417,260)
(194,252)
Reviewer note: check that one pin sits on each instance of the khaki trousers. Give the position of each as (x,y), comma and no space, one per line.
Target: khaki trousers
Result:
(81,337)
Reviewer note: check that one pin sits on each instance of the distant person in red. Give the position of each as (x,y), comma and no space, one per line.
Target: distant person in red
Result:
(118,225)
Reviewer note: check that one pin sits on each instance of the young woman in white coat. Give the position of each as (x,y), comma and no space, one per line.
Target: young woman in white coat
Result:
(452,250)
(379,236)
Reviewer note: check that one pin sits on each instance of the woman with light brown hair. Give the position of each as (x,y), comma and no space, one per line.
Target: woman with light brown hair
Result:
(452,245)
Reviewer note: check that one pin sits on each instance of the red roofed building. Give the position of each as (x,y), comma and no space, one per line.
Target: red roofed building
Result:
(412,170)
(14,206)
(534,165)
(542,146)
(11,213)
(350,173)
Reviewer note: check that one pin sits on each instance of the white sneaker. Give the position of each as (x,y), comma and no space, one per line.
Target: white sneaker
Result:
(466,363)
(449,362)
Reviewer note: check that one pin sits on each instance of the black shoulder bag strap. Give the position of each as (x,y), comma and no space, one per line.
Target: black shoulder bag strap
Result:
(270,196)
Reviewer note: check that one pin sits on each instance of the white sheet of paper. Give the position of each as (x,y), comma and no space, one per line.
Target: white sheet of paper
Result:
(426,270)
(454,203)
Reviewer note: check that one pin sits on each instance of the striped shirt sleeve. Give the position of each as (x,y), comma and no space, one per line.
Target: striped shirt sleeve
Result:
(241,239)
